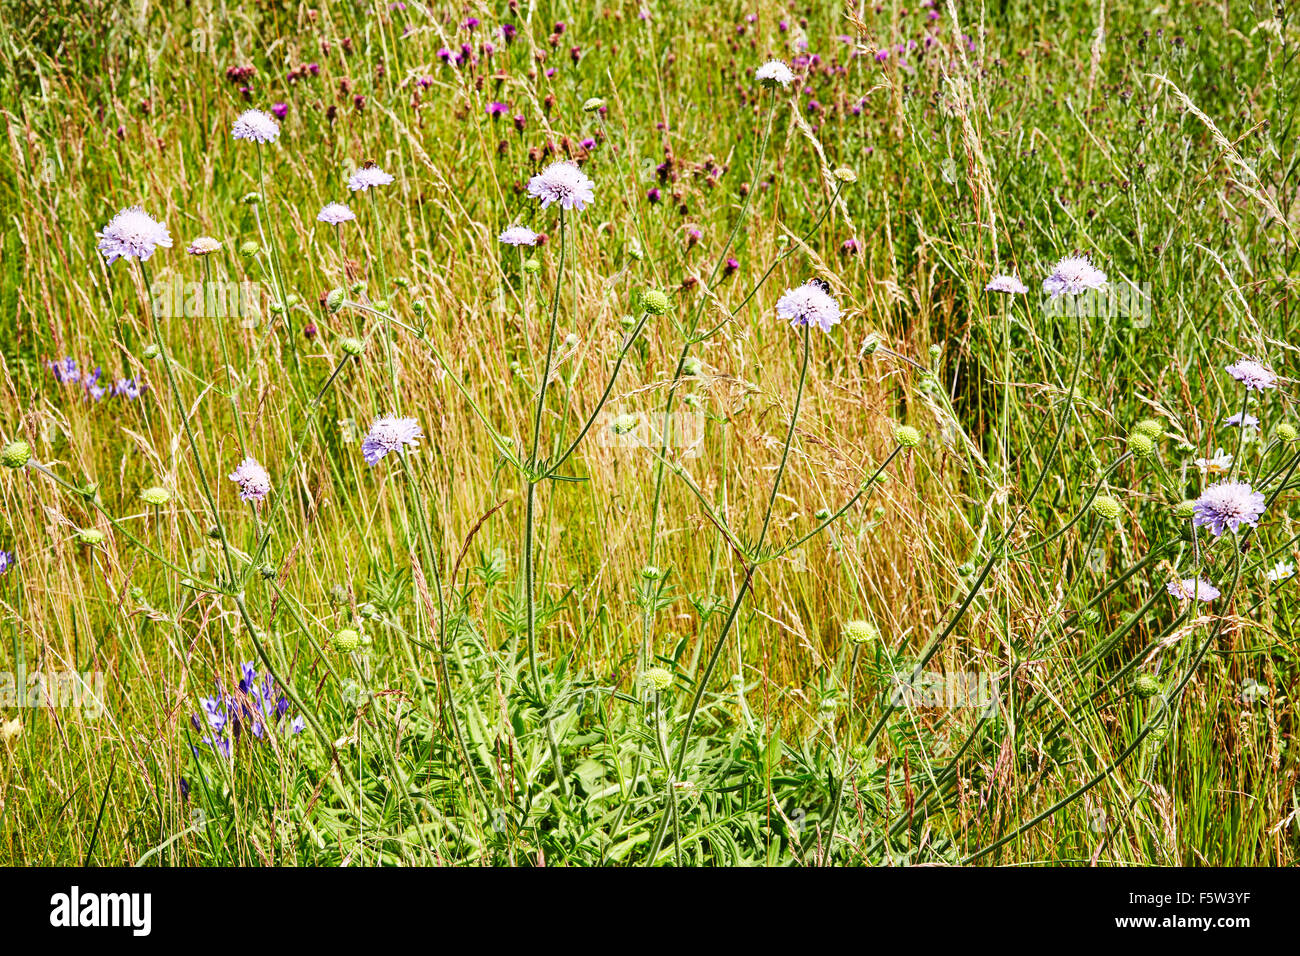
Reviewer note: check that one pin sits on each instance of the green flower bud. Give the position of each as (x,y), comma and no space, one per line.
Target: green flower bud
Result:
(334,299)
(346,640)
(1150,426)
(861,632)
(1141,445)
(532,266)
(418,307)
(1286,432)
(654,301)
(251,199)
(821,514)
(16,454)
(846,175)
(907,436)
(381,305)
(624,424)
(659,678)
(1184,510)
(593,104)
(249,249)
(353,347)
(871,344)
(90,536)
(150,351)
(692,366)
(156,496)
(401,282)
(651,573)
(1106,507)
(1144,685)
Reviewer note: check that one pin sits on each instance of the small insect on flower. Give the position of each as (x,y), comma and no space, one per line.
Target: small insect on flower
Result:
(203,246)
(1218,464)
(1255,375)
(1193,589)
(256,127)
(1237,419)
(1281,571)
(809,304)
(390,433)
(1226,506)
(1074,275)
(335,213)
(1006,284)
(367,176)
(562,183)
(253,481)
(132,234)
(773,73)
(518,236)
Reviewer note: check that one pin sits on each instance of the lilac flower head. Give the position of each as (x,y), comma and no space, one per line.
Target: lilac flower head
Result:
(254,483)
(773,72)
(564,183)
(1011,285)
(1250,420)
(7,561)
(335,213)
(1074,275)
(256,705)
(367,176)
(1226,506)
(1189,589)
(90,383)
(1255,375)
(128,388)
(132,233)
(518,236)
(256,127)
(65,371)
(389,433)
(809,304)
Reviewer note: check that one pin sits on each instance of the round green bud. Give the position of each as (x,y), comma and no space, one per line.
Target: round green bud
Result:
(1141,445)
(251,199)
(1106,507)
(532,266)
(1185,509)
(380,304)
(861,632)
(660,678)
(1286,432)
(249,249)
(654,301)
(418,307)
(150,351)
(692,366)
(1151,427)
(156,496)
(1144,685)
(90,536)
(357,288)
(16,454)
(936,351)
(624,424)
(627,322)
(334,299)
(651,573)
(692,401)
(907,436)
(352,347)
(821,514)
(277,308)
(846,175)
(871,344)
(346,640)
(401,282)
(292,299)
(593,104)
(634,250)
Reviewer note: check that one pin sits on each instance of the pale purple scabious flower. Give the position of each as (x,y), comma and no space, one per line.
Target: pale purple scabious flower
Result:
(518,236)
(1226,506)
(1074,275)
(1011,285)
(254,483)
(368,176)
(809,304)
(65,371)
(1255,375)
(132,233)
(1189,589)
(1251,420)
(256,127)
(335,213)
(7,561)
(389,433)
(774,71)
(564,183)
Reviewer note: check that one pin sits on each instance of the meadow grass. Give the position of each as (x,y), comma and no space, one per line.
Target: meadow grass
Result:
(554,631)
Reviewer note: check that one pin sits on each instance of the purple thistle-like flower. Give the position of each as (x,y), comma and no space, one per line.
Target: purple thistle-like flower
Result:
(389,433)
(1007,284)
(809,304)
(1189,589)
(132,234)
(1074,275)
(254,483)
(497,109)
(562,183)
(1226,506)
(1255,375)
(65,371)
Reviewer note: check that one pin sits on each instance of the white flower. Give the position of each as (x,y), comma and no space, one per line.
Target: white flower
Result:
(132,233)
(256,126)
(1220,464)
(1074,275)
(367,176)
(1281,571)
(389,433)
(1008,284)
(564,183)
(518,236)
(774,71)
(809,304)
(254,483)
(335,213)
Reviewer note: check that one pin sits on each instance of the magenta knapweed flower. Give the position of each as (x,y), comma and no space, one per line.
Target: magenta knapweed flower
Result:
(132,234)
(1193,589)
(562,183)
(253,481)
(389,433)
(1226,506)
(256,127)
(1255,375)
(809,304)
